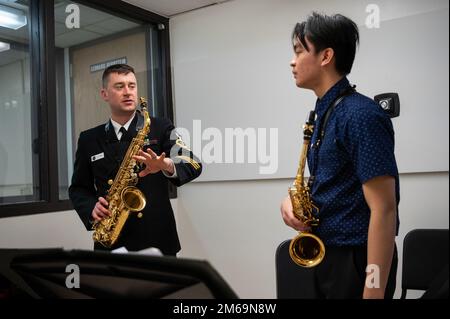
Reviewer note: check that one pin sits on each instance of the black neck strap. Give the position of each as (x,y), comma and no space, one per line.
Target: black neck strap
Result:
(348,91)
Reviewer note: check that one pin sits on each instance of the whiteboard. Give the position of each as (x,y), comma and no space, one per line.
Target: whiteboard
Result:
(231,74)
(410,56)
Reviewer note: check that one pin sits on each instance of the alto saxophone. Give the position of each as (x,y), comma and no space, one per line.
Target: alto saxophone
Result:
(306,249)
(123,197)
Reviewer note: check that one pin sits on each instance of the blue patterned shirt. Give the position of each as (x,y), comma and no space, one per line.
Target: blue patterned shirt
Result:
(358,146)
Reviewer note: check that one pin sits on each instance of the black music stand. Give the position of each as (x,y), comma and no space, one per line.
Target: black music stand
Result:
(45,273)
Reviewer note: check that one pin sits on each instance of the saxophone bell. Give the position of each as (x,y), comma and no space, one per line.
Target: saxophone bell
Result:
(306,250)
(133,199)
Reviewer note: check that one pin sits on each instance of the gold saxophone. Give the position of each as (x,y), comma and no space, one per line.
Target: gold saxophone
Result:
(306,249)
(123,197)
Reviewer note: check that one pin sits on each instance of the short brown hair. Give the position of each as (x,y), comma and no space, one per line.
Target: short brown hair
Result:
(115,68)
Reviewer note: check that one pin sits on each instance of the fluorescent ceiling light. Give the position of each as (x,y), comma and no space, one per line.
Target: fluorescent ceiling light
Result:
(12,18)
(4,46)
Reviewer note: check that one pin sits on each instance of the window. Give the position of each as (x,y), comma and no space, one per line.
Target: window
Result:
(19,160)
(40,124)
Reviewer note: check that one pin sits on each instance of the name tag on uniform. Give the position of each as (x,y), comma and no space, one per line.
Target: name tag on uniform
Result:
(97,157)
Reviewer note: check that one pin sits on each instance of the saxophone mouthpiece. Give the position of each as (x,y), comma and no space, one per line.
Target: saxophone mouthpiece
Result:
(143,102)
(308,127)
(311,118)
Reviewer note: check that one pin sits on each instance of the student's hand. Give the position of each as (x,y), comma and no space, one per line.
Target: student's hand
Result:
(154,163)
(100,210)
(289,217)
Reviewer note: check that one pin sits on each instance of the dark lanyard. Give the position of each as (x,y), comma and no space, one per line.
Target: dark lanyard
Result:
(321,131)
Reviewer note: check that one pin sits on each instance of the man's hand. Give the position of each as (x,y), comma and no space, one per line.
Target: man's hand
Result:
(289,217)
(154,163)
(100,210)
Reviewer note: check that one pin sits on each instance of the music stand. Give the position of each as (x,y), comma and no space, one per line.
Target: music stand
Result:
(47,273)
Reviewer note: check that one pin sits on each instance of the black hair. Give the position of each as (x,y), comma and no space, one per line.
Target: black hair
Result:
(115,68)
(336,32)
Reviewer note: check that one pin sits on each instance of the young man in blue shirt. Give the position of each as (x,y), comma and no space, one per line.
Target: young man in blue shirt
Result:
(355,183)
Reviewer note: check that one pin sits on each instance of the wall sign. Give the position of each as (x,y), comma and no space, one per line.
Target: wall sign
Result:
(103,65)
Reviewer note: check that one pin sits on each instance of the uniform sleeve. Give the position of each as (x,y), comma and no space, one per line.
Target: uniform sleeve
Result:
(81,191)
(369,139)
(188,167)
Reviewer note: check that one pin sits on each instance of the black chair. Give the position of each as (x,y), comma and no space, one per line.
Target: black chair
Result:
(292,281)
(425,262)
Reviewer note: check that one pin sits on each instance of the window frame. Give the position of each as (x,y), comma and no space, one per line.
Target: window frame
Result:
(43,94)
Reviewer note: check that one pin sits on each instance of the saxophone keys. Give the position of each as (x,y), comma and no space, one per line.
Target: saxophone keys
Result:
(139,215)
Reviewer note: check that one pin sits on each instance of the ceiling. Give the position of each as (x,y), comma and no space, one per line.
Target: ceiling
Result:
(170,8)
(94,24)
(21,34)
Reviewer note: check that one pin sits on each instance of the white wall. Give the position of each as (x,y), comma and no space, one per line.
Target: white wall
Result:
(51,230)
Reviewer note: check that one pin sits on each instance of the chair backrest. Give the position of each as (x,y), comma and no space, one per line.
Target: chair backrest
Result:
(425,254)
(292,280)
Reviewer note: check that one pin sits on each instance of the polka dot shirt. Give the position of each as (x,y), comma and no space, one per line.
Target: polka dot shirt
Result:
(358,145)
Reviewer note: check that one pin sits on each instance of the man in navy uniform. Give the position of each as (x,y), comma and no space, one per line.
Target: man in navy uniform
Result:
(100,153)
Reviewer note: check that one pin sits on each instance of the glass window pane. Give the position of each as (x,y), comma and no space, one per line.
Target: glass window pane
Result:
(19,162)
(82,53)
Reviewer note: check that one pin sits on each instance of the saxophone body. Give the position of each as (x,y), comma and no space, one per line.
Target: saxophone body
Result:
(123,197)
(306,249)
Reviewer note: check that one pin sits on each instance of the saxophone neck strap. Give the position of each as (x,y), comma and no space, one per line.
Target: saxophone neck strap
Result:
(346,92)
